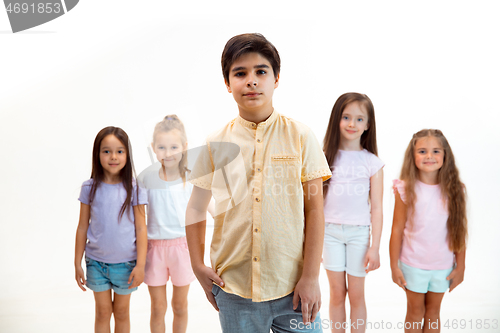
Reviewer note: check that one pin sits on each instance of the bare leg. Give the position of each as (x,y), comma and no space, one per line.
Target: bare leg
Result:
(415,312)
(158,308)
(121,312)
(338,290)
(356,292)
(180,309)
(103,311)
(432,321)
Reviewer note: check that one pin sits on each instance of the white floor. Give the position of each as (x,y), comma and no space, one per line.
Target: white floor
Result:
(39,293)
(67,309)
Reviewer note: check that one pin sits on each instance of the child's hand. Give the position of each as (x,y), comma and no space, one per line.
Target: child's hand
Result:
(309,294)
(372,260)
(206,276)
(80,277)
(398,277)
(136,277)
(456,276)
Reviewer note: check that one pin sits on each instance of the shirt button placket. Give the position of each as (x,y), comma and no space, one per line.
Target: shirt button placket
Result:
(257,211)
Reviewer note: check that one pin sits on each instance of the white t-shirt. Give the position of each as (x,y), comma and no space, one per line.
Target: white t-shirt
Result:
(167,202)
(347,199)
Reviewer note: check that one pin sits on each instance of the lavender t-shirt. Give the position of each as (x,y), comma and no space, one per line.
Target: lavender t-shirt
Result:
(347,198)
(109,238)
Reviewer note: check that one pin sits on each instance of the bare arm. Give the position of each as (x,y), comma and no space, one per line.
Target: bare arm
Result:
(372,259)
(307,289)
(141,236)
(398,226)
(457,275)
(211,208)
(81,240)
(196,214)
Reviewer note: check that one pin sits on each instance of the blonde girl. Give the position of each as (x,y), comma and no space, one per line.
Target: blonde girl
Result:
(353,203)
(429,230)
(111,231)
(168,195)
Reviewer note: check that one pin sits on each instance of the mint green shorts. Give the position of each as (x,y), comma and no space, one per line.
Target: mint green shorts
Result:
(424,280)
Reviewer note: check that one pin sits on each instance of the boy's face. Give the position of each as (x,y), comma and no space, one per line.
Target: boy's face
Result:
(252,83)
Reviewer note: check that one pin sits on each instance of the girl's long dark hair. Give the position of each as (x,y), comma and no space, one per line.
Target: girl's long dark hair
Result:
(126,174)
(331,142)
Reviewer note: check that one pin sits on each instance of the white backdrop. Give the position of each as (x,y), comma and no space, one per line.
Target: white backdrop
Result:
(424,64)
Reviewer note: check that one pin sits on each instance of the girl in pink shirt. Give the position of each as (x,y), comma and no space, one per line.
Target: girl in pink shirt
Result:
(429,230)
(353,203)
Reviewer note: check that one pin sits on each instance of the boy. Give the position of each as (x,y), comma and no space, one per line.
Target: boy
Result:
(265,256)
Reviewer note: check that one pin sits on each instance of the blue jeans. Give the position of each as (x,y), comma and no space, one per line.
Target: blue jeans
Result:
(241,315)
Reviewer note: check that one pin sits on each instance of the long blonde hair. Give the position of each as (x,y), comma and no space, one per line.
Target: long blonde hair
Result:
(451,187)
(171,122)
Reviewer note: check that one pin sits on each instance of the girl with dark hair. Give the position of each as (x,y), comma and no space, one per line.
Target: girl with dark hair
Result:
(111,230)
(353,202)
(429,229)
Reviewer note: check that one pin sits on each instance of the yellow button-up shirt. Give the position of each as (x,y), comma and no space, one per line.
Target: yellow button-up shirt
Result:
(255,173)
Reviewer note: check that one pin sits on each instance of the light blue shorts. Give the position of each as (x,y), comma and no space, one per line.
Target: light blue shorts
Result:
(102,276)
(238,314)
(345,248)
(424,280)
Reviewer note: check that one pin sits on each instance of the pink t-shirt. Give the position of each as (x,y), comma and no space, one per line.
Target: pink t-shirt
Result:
(425,245)
(347,198)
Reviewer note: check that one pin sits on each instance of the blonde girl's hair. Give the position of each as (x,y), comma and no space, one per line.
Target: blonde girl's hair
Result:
(171,122)
(331,142)
(451,187)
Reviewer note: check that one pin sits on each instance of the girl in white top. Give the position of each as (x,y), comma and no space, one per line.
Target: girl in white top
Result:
(353,202)
(429,230)
(168,195)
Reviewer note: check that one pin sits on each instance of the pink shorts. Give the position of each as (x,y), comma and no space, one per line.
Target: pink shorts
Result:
(168,258)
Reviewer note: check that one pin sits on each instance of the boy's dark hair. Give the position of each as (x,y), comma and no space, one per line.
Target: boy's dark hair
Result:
(246,43)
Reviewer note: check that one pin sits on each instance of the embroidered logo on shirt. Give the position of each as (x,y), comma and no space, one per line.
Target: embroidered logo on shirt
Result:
(284,158)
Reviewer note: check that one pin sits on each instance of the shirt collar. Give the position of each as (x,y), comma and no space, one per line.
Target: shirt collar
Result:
(253,125)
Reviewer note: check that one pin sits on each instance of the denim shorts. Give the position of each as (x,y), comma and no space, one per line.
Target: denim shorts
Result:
(345,248)
(102,276)
(424,280)
(238,314)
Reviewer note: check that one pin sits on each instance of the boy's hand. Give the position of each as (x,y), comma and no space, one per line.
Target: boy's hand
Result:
(456,276)
(136,277)
(206,276)
(372,259)
(80,277)
(398,277)
(307,290)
